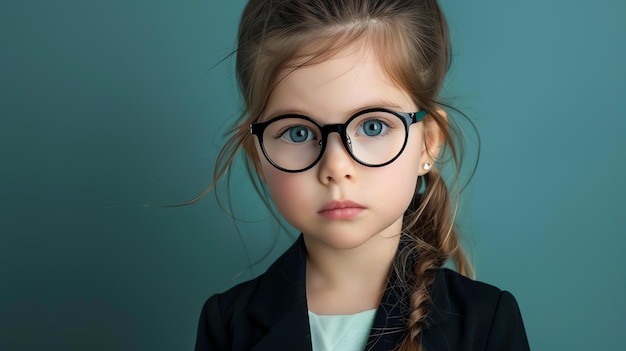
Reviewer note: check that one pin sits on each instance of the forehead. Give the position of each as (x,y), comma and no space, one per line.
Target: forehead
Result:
(335,86)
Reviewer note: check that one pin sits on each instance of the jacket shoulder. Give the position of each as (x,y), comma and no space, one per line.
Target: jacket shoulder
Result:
(476,313)
(235,300)
(464,289)
(220,313)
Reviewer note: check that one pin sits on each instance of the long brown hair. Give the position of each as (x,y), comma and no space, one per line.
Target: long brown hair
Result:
(411,38)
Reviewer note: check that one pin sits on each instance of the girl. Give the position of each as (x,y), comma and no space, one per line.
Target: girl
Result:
(343,127)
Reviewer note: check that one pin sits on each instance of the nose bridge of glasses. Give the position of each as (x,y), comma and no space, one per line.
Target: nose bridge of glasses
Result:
(340,129)
(329,128)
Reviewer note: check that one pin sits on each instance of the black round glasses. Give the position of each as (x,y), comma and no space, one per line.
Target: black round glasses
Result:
(374,137)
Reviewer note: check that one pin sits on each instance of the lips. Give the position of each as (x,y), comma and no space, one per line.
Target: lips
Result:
(341,210)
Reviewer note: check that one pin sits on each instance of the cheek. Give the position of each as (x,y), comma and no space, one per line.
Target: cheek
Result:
(406,169)
(413,152)
(402,178)
(288,190)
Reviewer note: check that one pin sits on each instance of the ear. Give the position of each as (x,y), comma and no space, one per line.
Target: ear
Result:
(434,139)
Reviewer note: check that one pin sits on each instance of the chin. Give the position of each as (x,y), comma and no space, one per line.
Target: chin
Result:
(345,244)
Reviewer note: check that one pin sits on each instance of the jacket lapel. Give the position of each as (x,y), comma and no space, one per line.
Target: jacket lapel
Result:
(279,304)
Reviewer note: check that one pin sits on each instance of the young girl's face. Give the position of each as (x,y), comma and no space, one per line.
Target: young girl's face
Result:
(374,198)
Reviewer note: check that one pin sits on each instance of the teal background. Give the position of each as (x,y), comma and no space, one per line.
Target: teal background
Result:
(107,106)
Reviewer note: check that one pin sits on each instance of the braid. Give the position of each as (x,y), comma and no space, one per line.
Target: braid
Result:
(431,241)
(420,304)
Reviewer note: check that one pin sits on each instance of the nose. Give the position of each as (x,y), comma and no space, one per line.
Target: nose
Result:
(336,164)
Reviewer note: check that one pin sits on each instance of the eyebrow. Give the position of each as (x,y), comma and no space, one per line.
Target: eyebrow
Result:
(296,111)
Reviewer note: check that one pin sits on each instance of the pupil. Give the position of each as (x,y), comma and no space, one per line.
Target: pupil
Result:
(298,134)
(372,128)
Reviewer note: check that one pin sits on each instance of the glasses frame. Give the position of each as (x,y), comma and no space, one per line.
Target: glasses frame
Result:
(340,128)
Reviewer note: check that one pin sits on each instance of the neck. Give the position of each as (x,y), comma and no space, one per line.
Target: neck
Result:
(350,280)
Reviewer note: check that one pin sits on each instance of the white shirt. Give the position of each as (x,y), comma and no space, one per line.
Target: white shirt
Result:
(341,332)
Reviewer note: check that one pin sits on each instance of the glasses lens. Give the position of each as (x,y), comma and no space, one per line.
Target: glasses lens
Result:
(292,143)
(376,137)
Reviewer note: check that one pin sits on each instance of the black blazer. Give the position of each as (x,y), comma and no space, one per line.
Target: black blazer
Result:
(270,313)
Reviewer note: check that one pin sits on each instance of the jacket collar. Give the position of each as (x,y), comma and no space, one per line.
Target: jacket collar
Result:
(280,307)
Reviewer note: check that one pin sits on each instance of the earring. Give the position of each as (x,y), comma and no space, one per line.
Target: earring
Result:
(426,166)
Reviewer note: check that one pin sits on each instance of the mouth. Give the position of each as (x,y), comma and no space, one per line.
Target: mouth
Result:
(341,210)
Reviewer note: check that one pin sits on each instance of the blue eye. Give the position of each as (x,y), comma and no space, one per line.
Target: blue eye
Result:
(373,127)
(298,134)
